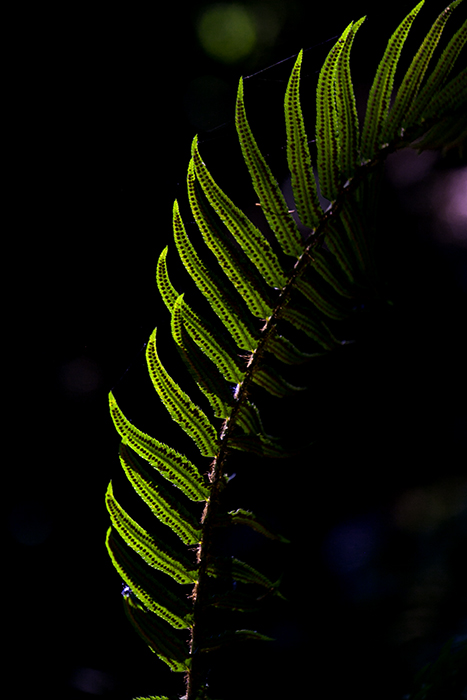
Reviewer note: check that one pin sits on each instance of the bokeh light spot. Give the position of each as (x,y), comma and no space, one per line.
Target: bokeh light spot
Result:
(451,193)
(227,32)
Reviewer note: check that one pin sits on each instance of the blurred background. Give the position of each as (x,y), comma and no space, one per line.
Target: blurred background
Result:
(104,103)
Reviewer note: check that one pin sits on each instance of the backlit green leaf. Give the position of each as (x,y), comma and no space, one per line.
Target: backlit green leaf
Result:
(272,200)
(414,76)
(438,76)
(182,409)
(381,89)
(237,327)
(227,259)
(126,570)
(251,240)
(327,134)
(142,543)
(171,464)
(156,499)
(217,349)
(298,153)
(347,118)
(160,638)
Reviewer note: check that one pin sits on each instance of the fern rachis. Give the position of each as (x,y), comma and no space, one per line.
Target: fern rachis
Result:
(271,302)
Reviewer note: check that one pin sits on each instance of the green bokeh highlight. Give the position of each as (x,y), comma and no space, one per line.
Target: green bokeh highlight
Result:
(227,32)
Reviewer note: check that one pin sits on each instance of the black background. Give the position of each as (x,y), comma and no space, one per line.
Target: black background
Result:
(102,116)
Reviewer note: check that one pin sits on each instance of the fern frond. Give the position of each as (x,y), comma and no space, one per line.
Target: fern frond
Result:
(164,507)
(326,265)
(202,333)
(251,240)
(161,639)
(439,75)
(272,382)
(298,154)
(263,314)
(330,306)
(272,200)
(451,97)
(152,594)
(287,352)
(242,573)
(413,78)
(227,259)
(205,373)
(450,132)
(171,464)
(141,542)
(155,697)
(241,332)
(381,89)
(182,409)
(314,328)
(327,137)
(347,118)
(254,438)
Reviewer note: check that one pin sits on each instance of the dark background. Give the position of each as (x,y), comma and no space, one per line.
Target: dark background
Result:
(103,108)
